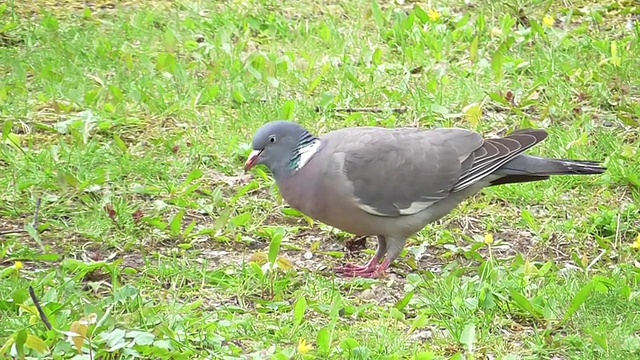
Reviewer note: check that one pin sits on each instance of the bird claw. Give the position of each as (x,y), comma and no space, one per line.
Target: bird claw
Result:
(350,268)
(369,274)
(371,270)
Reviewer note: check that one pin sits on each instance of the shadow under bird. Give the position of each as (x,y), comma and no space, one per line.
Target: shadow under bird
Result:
(391,183)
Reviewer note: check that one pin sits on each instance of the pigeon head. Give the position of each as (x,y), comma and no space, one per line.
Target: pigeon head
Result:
(281,146)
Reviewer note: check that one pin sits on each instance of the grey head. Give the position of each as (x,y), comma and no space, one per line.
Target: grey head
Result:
(280,146)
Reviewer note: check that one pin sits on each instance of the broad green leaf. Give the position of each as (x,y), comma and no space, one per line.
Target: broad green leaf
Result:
(325,33)
(615,59)
(497,65)
(257,270)
(120,143)
(223,218)
(291,212)
(7,271)
(468,336)
(4,95)
(324,340)
(189,229)
(141,337)
(462,22)
(166,62)
(396,314)
(421,14)
(193,175)
(21,339)
(238,96)
(242,219)
(175,226)
(439,109)
(579,299)
(349,344)
(299,310)
(35,235)
(6,129)
(281,356)
(349,73)
(105,317)
(424,356)
(274,247)
(50,22)
(473,49)
(377,14)
(400,305)
(288,110)
(116,92)
(376,58)
(498,98)
(13,140)
(481,24)
(191,45)
(336,305)
(114,339)
(530,220)
(536,28)
(127,59)
(169,41)
(419,322)
(522,302)
(598,339)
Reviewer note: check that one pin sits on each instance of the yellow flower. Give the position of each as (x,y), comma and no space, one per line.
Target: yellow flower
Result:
(548,21)
(303,347)
(488,239)
(434,15)
(636,244)
(18,265)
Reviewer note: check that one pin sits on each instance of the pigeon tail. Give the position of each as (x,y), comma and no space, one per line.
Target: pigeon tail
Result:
(525,168)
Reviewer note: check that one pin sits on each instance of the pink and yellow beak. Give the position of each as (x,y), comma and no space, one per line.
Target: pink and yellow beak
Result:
(252,160)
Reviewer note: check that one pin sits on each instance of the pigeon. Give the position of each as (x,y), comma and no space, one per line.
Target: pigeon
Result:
(391,183)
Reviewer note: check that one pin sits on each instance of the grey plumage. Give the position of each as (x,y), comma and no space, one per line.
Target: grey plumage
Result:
(392,182)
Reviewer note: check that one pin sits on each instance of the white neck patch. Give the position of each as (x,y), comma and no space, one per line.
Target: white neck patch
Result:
(306,152)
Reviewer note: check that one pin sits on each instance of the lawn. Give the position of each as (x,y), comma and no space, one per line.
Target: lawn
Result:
(125,211)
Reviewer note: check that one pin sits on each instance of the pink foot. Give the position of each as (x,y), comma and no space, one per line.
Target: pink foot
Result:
(351,268)
(357,271)
(371,272)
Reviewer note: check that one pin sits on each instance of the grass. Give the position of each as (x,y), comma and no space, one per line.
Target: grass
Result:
(124,206)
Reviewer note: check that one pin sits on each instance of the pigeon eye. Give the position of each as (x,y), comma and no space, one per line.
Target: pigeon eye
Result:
(272,139)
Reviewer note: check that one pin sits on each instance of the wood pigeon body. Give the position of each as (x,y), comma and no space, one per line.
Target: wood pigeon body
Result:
(391,183)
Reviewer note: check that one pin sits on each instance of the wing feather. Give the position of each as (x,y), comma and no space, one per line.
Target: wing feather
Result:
(509,147)
(395,172)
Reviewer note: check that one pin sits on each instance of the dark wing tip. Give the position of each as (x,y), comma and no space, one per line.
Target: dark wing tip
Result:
(539,134)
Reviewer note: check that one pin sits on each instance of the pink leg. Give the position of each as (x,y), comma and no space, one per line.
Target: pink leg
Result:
(371,265)
(393,248)
(374,272)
